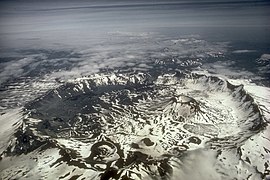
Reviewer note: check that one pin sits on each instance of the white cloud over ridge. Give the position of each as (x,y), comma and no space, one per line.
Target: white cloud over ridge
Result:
(265,57)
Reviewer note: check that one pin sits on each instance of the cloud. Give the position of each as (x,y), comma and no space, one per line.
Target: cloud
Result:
(197,165)
(243,51)
(41,69)
(141,52)
(228,70)
(265,57)
(35,63)
(14,69)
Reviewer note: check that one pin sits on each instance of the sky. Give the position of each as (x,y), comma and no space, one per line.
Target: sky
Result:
(37,23)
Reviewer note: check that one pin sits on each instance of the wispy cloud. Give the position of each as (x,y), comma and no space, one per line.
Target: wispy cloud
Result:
(243,51)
